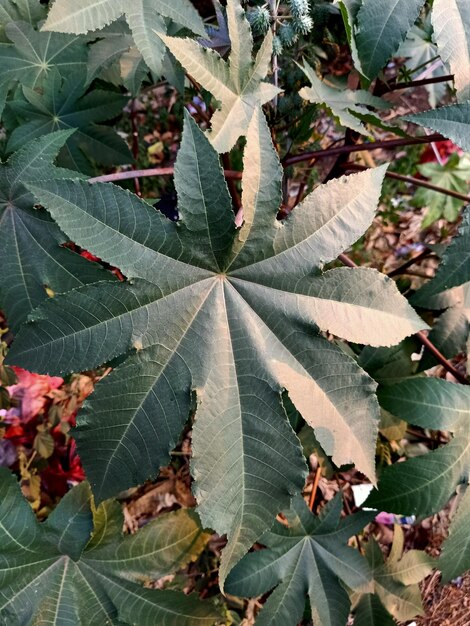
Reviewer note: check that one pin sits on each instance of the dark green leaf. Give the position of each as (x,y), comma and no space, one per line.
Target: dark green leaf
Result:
(232,319)
(77,567)
(31,253)
(427,402)
(309,558)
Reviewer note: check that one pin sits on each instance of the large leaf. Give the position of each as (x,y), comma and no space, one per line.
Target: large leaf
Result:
(395,580)
(382,26)
(423,485)
(455,555)
(32,55)
(451,22)
(451,121)
(31,255)
(427,402)
(309,558)
(454,269)
(143,16)
(77,568)
(236,83)
(20,10)
(350,107)
(231,316)
(63,105)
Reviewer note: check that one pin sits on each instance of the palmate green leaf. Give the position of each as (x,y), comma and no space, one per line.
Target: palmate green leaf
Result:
(455,555)
(77,568)
(423,485)
(31,11)
(451,23)
(231,315)
(32,55)
(348,106)
(395,580)
(143,16)
(427,402)
(382,26)
(63,105)
(236,83)
(452,121)
(31,256)
(453,176)
(309,558)
(454,269)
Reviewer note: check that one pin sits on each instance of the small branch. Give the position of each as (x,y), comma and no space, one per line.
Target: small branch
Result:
(112,178)
(417,83)
(135,146)
(313,493)
(423,338)
(415,181)
(373,145)
(416,259)
(153,171)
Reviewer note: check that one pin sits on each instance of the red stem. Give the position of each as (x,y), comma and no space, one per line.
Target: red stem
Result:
(414,181)
(361,147)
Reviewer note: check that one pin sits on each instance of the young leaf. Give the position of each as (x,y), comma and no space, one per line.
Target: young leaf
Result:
(78,568)
(31,56)
(143,16)
(455,555)
(238,329)
(454,269)
(451,121)
(237,83)
(382,26)
(31,255)
(347,105)
(423,485)
(63,105)
(395,580)
(453,176)
(309,558)
(420,51)
(427,402)
(451,23)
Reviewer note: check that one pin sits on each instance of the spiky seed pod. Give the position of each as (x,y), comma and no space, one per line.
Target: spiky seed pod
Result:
(287,34)
(259,19)
(302,24)
(299,8)
(277,45)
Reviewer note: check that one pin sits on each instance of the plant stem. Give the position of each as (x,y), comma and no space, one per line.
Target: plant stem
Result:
(373,145)
(416,259)
(135,146)
(313,493)
(418,182)
(417,83)
(153,171)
